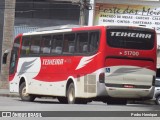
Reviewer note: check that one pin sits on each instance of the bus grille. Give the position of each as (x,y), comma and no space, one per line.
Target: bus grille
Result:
(90,84)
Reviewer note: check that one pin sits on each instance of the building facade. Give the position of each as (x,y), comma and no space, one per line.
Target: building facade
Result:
(45,13)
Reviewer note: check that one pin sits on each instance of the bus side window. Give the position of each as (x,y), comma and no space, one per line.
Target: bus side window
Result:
(46,44)
(82,43)
(93,41)
(57,42)
(35,44)
(69,44)
(25,46)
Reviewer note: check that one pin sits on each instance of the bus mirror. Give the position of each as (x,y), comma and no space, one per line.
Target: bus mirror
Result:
(5,57)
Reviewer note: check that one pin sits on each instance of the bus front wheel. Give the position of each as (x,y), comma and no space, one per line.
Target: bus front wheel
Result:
(25,96)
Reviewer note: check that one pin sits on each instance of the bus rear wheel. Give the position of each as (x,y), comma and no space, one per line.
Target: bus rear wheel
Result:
(23,95)
(71,94)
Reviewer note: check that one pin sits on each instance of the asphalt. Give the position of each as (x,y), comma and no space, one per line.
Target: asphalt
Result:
(6,93)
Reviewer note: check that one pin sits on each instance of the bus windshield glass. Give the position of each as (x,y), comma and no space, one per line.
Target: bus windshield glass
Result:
(123,37)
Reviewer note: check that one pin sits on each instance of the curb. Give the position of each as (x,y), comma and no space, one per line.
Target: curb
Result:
(9,95)
(147,102)
(6,93)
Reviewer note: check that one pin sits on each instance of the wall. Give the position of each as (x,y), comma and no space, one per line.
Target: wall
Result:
(38,13)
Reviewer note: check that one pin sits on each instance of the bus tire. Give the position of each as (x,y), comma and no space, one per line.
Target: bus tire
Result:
(158,100)
(71,94)
(23,95)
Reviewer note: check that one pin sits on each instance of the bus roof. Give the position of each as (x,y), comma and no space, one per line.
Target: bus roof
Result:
(52,29)
(68,28)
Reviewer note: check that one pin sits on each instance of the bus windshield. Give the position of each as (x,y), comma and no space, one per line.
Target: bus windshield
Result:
(138,38)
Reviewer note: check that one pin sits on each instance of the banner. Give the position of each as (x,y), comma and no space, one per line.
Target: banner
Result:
(31,114)
(125,14)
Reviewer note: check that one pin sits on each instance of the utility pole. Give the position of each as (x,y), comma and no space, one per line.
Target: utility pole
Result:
(1,28)
(82,13)
(8,31)
(91,13)
(84,5)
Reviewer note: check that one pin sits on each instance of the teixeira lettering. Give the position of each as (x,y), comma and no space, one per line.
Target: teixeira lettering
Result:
(131,34)
(53,61)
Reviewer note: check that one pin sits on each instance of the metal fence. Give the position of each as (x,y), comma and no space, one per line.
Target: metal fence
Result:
(23,29)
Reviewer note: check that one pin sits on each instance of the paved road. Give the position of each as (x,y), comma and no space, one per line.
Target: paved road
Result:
(15,104)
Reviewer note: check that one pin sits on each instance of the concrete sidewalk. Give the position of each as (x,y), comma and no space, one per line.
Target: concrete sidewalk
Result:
(6,93)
